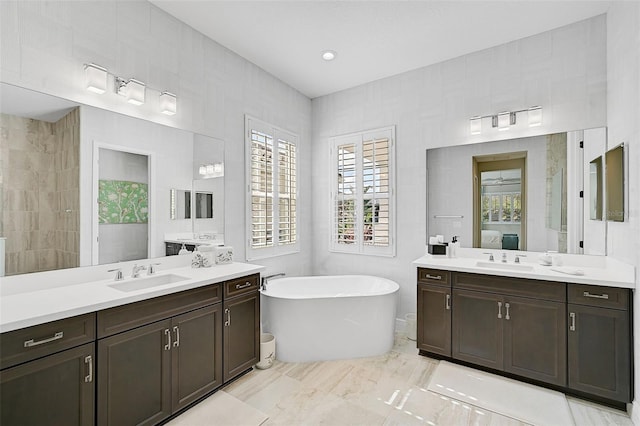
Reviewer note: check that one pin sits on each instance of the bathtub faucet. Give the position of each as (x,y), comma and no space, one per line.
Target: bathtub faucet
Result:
(265,279)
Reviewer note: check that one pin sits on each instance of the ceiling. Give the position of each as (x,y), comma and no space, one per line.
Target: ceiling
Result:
(373,39)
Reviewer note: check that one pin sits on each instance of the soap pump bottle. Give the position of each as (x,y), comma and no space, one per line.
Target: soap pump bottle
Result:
(454,246)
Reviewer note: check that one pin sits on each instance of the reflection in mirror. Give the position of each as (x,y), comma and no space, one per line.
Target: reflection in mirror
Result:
(614,166)
(204,205)
(179,204)
(552,219)
(595,186)
(49,186)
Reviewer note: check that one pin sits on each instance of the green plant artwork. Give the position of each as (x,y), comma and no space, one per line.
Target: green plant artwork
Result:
(121,201)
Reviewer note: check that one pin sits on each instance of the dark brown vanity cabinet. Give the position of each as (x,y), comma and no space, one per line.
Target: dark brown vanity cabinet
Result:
(511,324)
(151,371)
(434,311)
(241,325)
(599,341)
(47,375)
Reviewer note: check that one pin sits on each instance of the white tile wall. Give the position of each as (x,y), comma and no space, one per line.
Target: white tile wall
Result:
(563,70)
(44,44)
(623,109)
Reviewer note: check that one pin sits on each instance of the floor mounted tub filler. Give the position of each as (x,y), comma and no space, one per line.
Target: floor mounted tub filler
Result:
(330,317)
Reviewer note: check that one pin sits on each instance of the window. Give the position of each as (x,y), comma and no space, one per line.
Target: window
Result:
(362,195)
(271,190)
(501,207)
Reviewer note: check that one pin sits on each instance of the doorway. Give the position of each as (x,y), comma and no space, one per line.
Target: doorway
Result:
(499,201)
(121,219)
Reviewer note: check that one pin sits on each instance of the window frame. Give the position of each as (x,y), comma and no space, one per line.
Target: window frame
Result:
(277,248)
(358,139)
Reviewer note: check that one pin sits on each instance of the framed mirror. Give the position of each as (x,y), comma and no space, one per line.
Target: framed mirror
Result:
(596,187)
(614,166)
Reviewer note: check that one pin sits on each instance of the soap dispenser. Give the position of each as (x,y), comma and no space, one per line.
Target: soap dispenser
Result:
(183,250)
(455,245)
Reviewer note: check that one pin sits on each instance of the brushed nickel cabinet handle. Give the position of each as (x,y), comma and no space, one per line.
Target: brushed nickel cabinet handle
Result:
(245,285)
(596,296)
(499,310)
(176,331)
(228,321)
(447,302)
(572,327)
(434,277)
(31,343)
(507,317)
(89,377)
(167,333)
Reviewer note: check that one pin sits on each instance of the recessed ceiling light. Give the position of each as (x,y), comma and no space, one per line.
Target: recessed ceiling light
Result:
(329,55)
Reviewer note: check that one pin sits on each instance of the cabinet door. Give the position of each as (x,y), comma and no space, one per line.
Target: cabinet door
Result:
(55,390)
(134,380)
(434,319)
(241,334)
(535,339)
(196,367)
(477,328)
(599,352)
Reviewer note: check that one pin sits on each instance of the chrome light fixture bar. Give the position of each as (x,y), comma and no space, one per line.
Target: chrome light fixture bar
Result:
(504,120)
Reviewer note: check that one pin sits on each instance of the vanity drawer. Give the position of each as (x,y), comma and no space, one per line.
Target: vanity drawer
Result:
(605,297)
(240,286)
(520,287)
(123,318)
(434,276)
(41,340)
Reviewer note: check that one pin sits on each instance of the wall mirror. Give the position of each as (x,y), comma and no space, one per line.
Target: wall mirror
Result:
(179,204)
(50,183)
(478,193)
(204,205)
(614,166)
(596,187)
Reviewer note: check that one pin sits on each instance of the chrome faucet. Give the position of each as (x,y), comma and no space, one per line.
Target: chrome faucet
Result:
(263,287)
(518,256)
(135,272)
(504,257)
(490,256)
(118,272)
(152,268)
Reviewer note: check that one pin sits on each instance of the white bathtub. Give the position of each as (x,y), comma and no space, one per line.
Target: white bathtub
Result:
(332,317)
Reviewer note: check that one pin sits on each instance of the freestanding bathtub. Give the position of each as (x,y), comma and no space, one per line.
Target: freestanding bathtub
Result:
(331,317)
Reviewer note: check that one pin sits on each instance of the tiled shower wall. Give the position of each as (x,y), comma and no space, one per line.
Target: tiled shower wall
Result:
(40,184)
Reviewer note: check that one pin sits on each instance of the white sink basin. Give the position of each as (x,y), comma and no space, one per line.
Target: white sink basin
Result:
(507,266)
(148,282)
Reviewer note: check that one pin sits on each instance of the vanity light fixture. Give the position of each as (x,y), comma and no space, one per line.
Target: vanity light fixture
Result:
(329,55)
(504,120)
(96,78)
(211,170)
(132,89)
(202,170)
(168,103)
(535,116)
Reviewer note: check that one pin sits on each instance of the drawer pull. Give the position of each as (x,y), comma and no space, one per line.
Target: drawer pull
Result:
(176,330)
(31,343)
(168,334)
(245,285)
(447,302)
(572,326)
(507,317)
(228,321)
(596,296)
(89,377)
(499,310)
(434,277)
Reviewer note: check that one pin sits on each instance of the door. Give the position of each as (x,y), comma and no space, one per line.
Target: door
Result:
(434,319)
(477,328)
(55,390)
(535,339)
(196,354)
(241,334)
(134,376)
(599,352)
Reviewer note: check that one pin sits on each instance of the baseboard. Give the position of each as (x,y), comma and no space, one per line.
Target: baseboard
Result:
(635,412)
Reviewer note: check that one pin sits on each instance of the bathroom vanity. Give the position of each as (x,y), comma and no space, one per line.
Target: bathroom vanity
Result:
(562,332)
(128,354)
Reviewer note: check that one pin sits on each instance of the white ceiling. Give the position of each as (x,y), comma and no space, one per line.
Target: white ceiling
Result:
(374,39)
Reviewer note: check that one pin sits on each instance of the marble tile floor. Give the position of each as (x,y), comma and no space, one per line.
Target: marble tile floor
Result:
(386,390)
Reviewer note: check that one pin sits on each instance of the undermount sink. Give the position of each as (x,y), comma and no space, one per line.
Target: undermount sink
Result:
(507,266)
(148,282)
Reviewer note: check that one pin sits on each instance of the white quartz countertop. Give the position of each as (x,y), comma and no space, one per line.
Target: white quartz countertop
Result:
(34,299)
(596,270)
